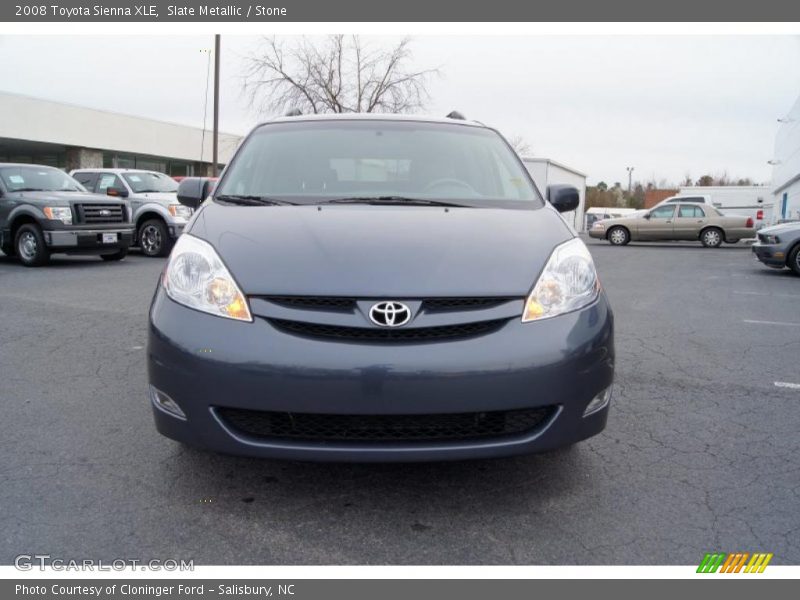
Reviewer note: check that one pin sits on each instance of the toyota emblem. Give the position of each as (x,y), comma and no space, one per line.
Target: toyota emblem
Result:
(390,314)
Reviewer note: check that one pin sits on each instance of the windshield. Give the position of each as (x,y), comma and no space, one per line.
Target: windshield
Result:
(38,179)
(312,162)
(144,182)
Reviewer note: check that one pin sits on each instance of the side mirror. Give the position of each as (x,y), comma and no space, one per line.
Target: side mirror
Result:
(646,216)
(564,198)
(193,190)
(117,192)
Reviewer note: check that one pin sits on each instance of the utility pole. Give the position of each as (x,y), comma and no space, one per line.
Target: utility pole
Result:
(216,105)
(630,179)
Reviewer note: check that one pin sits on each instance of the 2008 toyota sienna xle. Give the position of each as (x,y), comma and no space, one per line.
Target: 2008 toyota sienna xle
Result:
(379,288)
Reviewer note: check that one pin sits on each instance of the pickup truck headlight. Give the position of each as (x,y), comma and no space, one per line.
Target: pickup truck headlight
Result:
(59,213)
(196,277)
(568,282)
(179,211)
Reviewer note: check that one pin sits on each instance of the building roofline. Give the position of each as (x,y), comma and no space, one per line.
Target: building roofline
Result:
(553,162)
(115,113)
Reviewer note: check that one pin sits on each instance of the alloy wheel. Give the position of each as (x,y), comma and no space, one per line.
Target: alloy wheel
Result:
(151,239)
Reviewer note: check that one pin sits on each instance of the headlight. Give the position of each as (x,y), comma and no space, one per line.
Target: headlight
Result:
(771,239)
(196,277)
(59,213)
(568,282)
(179,211)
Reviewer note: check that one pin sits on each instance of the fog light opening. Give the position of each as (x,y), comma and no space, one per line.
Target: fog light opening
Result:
(599,402)
(165,403)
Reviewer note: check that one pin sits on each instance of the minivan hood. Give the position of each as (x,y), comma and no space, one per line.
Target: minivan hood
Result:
(381,251)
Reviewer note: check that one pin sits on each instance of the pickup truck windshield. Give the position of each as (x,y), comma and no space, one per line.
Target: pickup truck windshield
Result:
(144,182)
(25,178)
(313,162)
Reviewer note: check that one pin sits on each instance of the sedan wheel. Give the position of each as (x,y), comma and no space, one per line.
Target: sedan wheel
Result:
(711,238)
(794,260)
(618,236)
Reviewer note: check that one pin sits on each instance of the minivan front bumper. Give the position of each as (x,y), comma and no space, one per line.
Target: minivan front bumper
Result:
(210,366)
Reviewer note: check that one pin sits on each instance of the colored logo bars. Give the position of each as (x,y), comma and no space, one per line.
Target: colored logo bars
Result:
(734,562)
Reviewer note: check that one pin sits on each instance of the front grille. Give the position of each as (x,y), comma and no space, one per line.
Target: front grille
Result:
(457,303)
(97,214)
(339,303)
(383,428)
(315,302)
(375,334)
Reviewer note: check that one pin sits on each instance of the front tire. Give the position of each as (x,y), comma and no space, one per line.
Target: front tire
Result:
(618,236)
(794,260)
(711,237)
(29,246)
(153,238)
(116,256)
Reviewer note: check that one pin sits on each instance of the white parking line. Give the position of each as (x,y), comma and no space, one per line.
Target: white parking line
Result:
(785,324)
(786,384)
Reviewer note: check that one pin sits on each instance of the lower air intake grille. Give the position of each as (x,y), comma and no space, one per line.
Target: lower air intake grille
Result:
(383,428)
(374,334)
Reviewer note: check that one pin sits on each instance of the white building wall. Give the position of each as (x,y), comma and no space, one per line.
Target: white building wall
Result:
(547,172)
(786,172)
(38,120)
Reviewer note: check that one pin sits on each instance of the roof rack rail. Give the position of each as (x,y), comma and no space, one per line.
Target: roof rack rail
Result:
(293,112)
(456,115)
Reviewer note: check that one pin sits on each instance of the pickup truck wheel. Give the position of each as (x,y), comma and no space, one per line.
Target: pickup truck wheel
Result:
(711,237)
(116,256)
(154,238)
(30,247)
(618,236)
(794,260)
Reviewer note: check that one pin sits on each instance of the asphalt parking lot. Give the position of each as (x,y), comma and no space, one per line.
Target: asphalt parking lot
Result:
(701,453)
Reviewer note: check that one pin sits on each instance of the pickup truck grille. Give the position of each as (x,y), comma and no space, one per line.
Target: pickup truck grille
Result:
(98,214)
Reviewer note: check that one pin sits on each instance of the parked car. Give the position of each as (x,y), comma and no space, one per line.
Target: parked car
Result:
(45,211)
(157,214)
(779,246)
(675,221)
(734,201)
(379,288)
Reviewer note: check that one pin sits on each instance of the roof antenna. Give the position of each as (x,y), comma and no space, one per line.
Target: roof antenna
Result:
(456,115)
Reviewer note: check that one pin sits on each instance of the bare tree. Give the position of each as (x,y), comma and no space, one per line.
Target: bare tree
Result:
(521,145)
(338,74)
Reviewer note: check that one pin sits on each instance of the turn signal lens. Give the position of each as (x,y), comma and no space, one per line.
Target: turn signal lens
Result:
(196,277)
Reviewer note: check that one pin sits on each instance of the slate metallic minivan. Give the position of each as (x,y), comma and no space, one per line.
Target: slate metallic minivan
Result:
(378,288)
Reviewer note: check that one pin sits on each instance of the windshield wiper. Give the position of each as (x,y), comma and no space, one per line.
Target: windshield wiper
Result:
(245,200)
(393,200)
(31,190)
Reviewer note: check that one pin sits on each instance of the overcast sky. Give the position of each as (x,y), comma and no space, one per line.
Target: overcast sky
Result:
(665,105)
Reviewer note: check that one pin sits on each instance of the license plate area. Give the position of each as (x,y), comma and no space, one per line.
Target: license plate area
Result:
(109,238)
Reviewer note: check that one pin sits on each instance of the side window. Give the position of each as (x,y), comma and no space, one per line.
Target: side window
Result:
(663,212)
(108,180)
(87,180)
(687,211)
(699,212)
